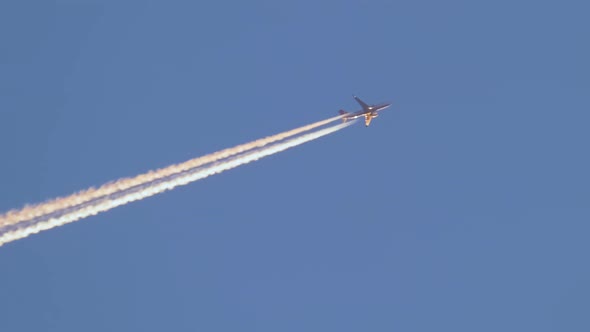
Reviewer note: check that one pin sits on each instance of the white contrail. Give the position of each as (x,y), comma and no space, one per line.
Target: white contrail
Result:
(33,211)
(35,225)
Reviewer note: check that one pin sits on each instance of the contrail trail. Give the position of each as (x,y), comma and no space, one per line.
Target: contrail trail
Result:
(29,212)
(47,221)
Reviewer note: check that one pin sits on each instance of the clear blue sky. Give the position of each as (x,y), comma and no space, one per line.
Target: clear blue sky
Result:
(464,207)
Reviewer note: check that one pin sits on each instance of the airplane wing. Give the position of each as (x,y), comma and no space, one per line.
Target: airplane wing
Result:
(362,103)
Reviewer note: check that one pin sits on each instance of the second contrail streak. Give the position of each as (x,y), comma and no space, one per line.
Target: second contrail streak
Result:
(33,211)
(176,175)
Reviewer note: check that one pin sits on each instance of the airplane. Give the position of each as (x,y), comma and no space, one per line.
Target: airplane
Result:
(369,111)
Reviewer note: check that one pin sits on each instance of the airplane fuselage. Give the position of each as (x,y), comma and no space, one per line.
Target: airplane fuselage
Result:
(372,111)
(368,112)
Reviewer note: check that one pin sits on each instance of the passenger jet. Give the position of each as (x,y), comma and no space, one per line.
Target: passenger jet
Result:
(369,111)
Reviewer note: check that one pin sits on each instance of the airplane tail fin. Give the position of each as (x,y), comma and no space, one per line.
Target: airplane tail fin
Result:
(343,112)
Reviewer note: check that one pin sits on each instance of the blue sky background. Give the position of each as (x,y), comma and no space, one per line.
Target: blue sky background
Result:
(464,207)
